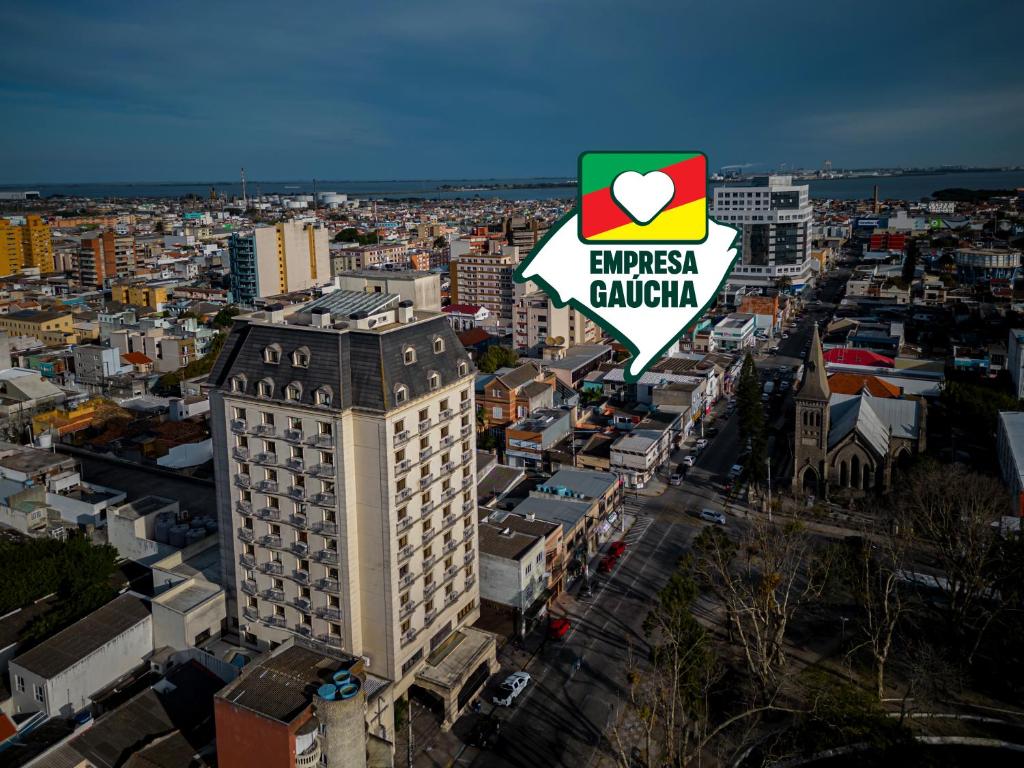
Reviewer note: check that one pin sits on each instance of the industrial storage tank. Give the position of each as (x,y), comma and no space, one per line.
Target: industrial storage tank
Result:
(342,716)
(177,535)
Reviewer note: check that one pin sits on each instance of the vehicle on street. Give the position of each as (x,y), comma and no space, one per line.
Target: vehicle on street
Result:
(509,690)
(617,548)
(711,516)
(558,628)
(736,471)
(485,732)
(586,590)
(702,443)
(607,563)
(785,335)
(675,478)
(689,460)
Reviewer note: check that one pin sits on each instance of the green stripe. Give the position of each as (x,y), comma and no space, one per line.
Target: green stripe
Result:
(599,169)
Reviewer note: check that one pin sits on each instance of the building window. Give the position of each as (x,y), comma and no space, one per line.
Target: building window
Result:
(323,396)
(438,345)
(463,369)
(300,357)
(293,391)
(265,388)
(19,683)
(401,394)
(238,384)
(434,380)
(272,354)
(409,355)
(40,694)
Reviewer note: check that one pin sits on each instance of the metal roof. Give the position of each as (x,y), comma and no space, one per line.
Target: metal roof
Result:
(343,303)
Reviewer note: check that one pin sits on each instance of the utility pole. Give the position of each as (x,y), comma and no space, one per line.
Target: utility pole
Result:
(408,698)
(245,201)
(769,461)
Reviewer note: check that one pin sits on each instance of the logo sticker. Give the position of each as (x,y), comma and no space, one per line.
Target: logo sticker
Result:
(639,254)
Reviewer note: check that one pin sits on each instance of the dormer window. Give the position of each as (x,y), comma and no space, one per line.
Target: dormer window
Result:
(401,393)
(272,354)
(409,355)
(265,388)
(324,396)
(238,384)
(293,392)
(463,368)
(434,380)
(438,345)
(300,357)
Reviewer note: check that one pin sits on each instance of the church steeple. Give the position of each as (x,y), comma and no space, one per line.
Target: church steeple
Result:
(815,383)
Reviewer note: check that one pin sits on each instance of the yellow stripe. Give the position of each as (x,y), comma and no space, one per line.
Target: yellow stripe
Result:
(684,222)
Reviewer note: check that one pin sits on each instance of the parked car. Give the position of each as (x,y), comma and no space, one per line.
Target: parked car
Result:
(710,431)
(485,732)
(702,443)
(689,461)
(558,628)
(712,517)
(735,471)
(607,563)
(617,548)
(509,690)
(676,478)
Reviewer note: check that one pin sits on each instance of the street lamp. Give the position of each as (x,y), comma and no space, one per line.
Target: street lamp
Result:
(768,460)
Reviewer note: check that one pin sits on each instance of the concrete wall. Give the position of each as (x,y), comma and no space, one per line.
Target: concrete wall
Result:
(69,691)
(178,630)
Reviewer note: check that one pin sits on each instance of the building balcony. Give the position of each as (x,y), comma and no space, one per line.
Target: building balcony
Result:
(409,636)
(322,470)
(428,562)
(429,616)
(246,534)
(240,452)
(450,571)
(429,589)
(401,438)
(470,580)
(242,480)
(467,506)
(274,595)
(403,466)
(466,430)
(247,561)
(270,541)
(332,640)
(448,493)
(426,480)
(275,621)
(406,581)
(448,467)
(292,435)
(447,441)
(252,614)
(402,495)
(448,520)
(427,509)
(327,556)
(273,567)
(403,523)
(238,426)
(266,458)
(296,492)
(302,604)
(327,585)
(325,528)
(300,549)
(321,440)
(407,609)
(295,463)
(468,557)
(445,414)
(267,486)
(306,631)
(405,552)
(466,482)
(323,499)
(298,520)
(265,430)
(451,597)
(424,425)
(429,534)
(426,453)
(300,577)
(327,613)
(269,513)
(464,406)
(244,508)
(249,586)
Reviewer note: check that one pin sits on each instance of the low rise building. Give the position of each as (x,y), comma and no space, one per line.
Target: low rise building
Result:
(734,333)
(528,440)
(1010,453)
(512,572)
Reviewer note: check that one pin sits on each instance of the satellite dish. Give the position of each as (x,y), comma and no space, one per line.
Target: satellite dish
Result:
(550,341)
(559,340)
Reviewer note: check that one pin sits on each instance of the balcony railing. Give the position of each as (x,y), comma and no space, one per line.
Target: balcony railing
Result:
(470,580)
(266,457)
(464,405)
(269,513)
(448,466)
(445,414)
(467,506)
(294,463)
(265,430)
(402,495)
(328,613)
(306,631)
(468,557)
(302,604)
(447,440)
(403,466)
(426,480)
(448,493)
(298,520)
(247,561)
(244,508)
(273,567)
(402,437)
(274,595)
(466,458)
(322,470)
(323,499)
(466,482)
(240,452)
(246,534)
(448,520)
(430,615)
(407,608)
(451,597)
(429,534)
(428,562)
(242,480)
(332,640)
(320,440)
(292,435)
(252,614)
(297,492)
(276,621)
(427,508)
(429,589)
(403,523)
(409,636)
(324,527)
(327,585)
(267,486)
(466,430)
(249,586)
(238,426)
(467,533)
(450,572)
(300,576)
(328,556)
(300,548)
(426,453)
(424,425)
(405,552)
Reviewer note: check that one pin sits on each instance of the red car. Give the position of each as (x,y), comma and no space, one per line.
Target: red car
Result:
(617,548)
(607,563)
(558,628)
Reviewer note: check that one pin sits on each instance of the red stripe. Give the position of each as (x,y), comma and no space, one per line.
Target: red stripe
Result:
(599,212)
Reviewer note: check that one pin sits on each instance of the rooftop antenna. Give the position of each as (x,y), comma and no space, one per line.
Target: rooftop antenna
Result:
(315,206)
(245,200)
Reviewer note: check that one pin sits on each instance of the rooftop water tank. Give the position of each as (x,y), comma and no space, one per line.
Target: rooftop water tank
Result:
(162,530)
(194,535)
(177,535)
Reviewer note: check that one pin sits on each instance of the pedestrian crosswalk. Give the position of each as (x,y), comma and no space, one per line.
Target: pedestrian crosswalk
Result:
(635,506)
(637,530)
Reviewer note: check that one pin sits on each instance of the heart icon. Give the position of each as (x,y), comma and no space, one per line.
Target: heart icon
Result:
(643,195)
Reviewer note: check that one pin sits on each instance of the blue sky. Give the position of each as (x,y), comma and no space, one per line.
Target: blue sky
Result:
(144,90)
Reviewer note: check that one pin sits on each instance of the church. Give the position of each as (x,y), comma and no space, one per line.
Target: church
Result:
(850,444)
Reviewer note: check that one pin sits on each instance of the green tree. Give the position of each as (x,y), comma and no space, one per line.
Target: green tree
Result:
(223,318)
(751,420)
(497,357)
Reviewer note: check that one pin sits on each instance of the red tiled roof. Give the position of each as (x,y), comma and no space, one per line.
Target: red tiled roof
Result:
(853,383)
(848,356)
(464,309)
(473,336)
(7,728)
(136,358)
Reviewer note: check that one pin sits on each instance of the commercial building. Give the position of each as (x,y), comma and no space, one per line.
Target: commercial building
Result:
(268,261)
(529,439)
(104,256)
(344,461)
(61,674)
(734,333)
(537,323)
(512,571)
(636,456)
(375,256)
(983,264)
(485,280)
(774,218)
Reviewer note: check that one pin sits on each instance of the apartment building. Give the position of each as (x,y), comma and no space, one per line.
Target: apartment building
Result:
(507,397)
(774,217)
(50,327)
(524,233)
(140,294)
(25,245)
(538,323)
(485,280)
(344,455)
(289,256)
(102,257)
(375,255)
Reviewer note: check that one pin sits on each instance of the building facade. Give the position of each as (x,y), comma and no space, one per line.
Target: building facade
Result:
(344,459)
(538,323)
(103,257)
(774,217)
(485,280)
(289,256)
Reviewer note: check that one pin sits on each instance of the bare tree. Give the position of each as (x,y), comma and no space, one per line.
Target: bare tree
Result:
(952,513)
(761,580)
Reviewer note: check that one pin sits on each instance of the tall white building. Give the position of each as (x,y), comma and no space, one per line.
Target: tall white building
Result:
(537,322)
(288,256)
(774,216)
(344,455)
